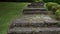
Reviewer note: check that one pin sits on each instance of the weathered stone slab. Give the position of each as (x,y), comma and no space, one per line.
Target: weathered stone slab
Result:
(27,30)
(29,20)
(38,3)
(35,9)
(35,21)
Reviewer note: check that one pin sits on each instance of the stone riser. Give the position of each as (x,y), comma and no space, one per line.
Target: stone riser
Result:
(35,6)
(35,12)
(35,9)
(35,25)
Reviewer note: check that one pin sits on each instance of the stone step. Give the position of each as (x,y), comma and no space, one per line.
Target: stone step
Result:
(35,21)
(36,24)
(24,30)
(35,11)
(36,4)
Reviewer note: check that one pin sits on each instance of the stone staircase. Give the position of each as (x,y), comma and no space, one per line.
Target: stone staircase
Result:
(35,21)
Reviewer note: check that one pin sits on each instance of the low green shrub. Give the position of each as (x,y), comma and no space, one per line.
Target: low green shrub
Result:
(54,8)
(38,1)
(57,1)
(51,5)
(57,13)
(50,0)
(58,6)
(45,5)
(58,24)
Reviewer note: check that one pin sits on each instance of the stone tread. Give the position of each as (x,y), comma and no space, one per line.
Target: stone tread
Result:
(37,9)
(34,12)
(26,29)
(35,19)
(35,6)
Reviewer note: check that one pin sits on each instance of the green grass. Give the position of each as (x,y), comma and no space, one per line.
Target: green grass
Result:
(8,12)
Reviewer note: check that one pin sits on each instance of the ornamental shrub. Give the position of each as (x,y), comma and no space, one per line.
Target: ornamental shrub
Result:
(57,13)
(51,5)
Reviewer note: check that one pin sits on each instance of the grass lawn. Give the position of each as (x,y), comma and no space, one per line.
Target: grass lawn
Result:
(8,12)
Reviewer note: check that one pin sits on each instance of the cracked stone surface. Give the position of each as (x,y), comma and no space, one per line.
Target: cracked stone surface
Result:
(34,19)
